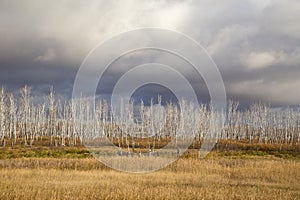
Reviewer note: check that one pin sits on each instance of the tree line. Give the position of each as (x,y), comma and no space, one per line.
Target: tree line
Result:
(23,122)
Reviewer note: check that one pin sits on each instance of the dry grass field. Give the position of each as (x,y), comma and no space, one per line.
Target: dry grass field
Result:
(216,177)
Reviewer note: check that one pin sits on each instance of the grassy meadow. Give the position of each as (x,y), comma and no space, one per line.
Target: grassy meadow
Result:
(231,171)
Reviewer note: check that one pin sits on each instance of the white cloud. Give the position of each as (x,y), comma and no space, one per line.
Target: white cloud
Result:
(228,36)
(49,55)
(260,60)
(261,5)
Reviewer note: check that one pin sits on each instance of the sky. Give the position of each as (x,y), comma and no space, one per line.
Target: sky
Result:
(254,43)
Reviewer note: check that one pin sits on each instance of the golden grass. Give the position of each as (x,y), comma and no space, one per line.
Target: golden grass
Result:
(213,178)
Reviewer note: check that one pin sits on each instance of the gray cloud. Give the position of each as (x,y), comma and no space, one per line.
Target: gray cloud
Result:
(254,43)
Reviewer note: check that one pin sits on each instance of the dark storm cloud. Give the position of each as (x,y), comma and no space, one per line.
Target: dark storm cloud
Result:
(254,43)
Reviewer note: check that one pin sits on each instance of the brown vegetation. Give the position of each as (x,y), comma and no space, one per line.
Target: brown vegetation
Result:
(233,170)
(218,178)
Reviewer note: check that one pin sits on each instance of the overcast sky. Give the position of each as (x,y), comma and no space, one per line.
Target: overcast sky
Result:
(255,44)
